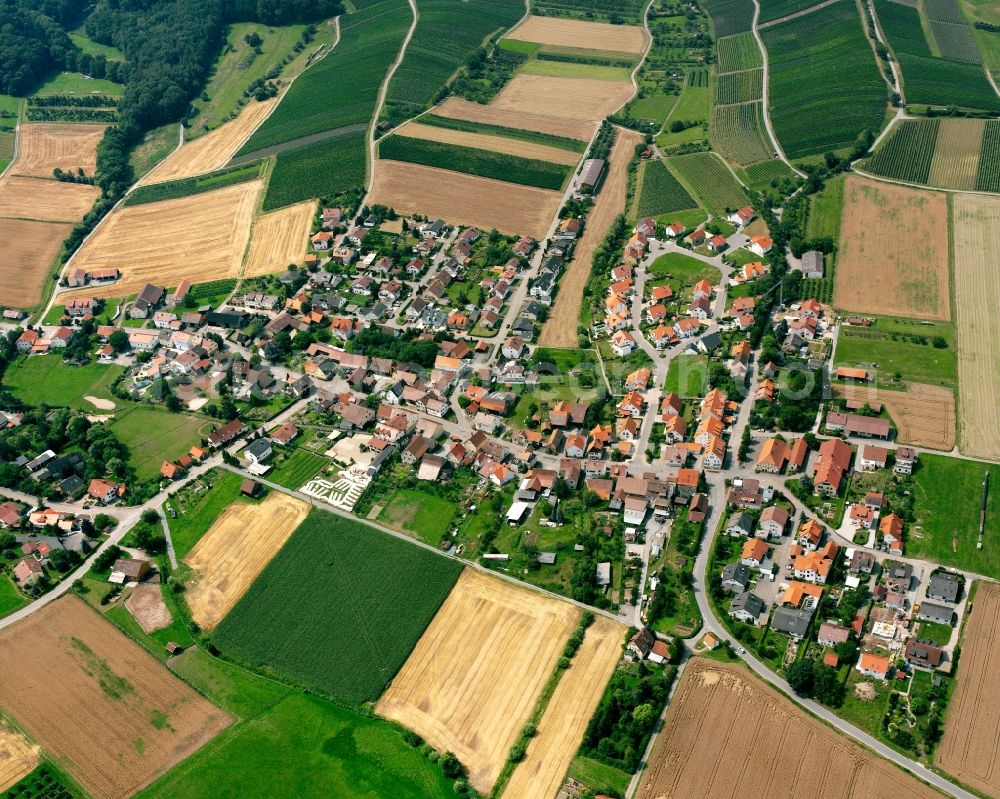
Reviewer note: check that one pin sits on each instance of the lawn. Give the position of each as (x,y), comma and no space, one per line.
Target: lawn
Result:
(88,45)
(154,435)
(239,691)
(938,633)
(681,272)
(299,467)
(947,496)
(156,642)
(894,346)
(427,516)
(826,209)
(597,775)
(339,609)
(654,108)
(311,749)
(10,598)
(76,83)
(43,378)
(196,512)
(861,713)
(687,375)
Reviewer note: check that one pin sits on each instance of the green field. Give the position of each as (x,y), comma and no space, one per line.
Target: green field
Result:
(185,187)
(562,142)
(197,512)
(472,161)
(154,435)
(660,192)
(615,11)
(988,173)
(738,52)
(299,468)
(687,375)
(598,775)
(711,180)
(822,68)
(762,173)
(693,106)
(325,169)
(739,87)
(571,69)
(239,66)
(729,16)
(427,516)
(341,89)
(653,108)
(88,45)
(908,151)
(947,496)
(43,378)
(825,210)
(775,9)
(10,598)
(75,83)
(893,345)
(338,609)
(156,145)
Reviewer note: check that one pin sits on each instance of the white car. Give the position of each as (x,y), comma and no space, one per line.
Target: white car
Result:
(742,651)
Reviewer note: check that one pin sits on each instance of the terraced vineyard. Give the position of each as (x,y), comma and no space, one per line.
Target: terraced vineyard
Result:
(739,87)
(907,153)
(711,180)
(739,134)
(661,192)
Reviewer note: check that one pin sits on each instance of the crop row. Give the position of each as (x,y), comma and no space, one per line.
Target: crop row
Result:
(185,187)
(342,88)
(712,181)
(661,192)
(473,161)
(738,52)
(338,609)
(763,172)
(776,9)
(697,78)
(944,11)
(328,168)
(825,87)
(738,131)
(988,176)
(955,41)
(739,87)
(908,152)
(729,16)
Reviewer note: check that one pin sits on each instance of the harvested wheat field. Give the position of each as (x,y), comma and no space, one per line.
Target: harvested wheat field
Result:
(147,607)
(41,147)
(45,200)
(29,250)
(577,33)
(198,238)
(711,747)
(278,239)
(476,673)
(235,550)
(924,415)
(464,199)
(457,108)
(18,758)
(572,98)
(104,708)
(893,257)
(560,731)
(497,144)
(560,328)
(976,237)
(968,749)
(213,150)
(956,153)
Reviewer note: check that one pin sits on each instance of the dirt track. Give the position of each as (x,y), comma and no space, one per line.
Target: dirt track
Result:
(924,415)
(560,329)
(477,671)
(100,705)
(278,239)
(728,735)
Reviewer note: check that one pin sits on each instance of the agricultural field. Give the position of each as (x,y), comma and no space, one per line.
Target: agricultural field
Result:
(738,52)
(826,209)
(578,33)
(495,143)
(975,238)
(340,89)
(154,434)
(659,191)
(42,147)
(923,415)
(572,69)
(235,550)
(459,109)
(739,133)
(902,350)
(188,187)
(947,496)
(278,239)
(115,719)
(711,180)
(446,34)
(822,68)
(968,745)
(988,176)
(760,175)
(956,156)
(44,200)
(560,327)
(330,168)
(572,98)
(776,9)
(18,757)
(730,16)
(212,151)
(155,146)
(473,161)
(560,731)
(30,251)
(739,87)
(196,238)
(200,503)
(951,31)
(465,199)
(908,152)
(912,276)
(473,706)
(708,746)
(348,628)
(941,153)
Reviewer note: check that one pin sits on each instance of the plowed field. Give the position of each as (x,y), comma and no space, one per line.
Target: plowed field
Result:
(45,200)
(105,709)
(924,415)
(561,729)
(497,144)
(235,550)
(18,758)
(198,238)
(893,257)
(711,747)
(968,749)
(570,98)
(476,673)
(457,108)
(577,33)
(279,238)
(29,248)
(41,147)
(465,199)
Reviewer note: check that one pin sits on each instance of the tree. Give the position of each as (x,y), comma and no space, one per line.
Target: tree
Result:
(642,713)
(118,341)
(827,687)
(801,676)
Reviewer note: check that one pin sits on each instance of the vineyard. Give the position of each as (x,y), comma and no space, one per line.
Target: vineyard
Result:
(711,180)
(955,41)
(825,88)
(330,168)
(988,175)
(661,192)
(776,9)
(739,87)
(956,156)
(739,134)
(473,161)
(763,173)
(185,187)
(738,52)
(447,33)
(908,152)
(729,16)
(338,609)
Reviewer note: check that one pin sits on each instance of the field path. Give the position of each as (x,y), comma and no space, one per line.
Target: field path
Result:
(797,14)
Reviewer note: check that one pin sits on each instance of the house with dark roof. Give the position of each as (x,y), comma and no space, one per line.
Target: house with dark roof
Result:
(923,654)
(944,587)
(793,622)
